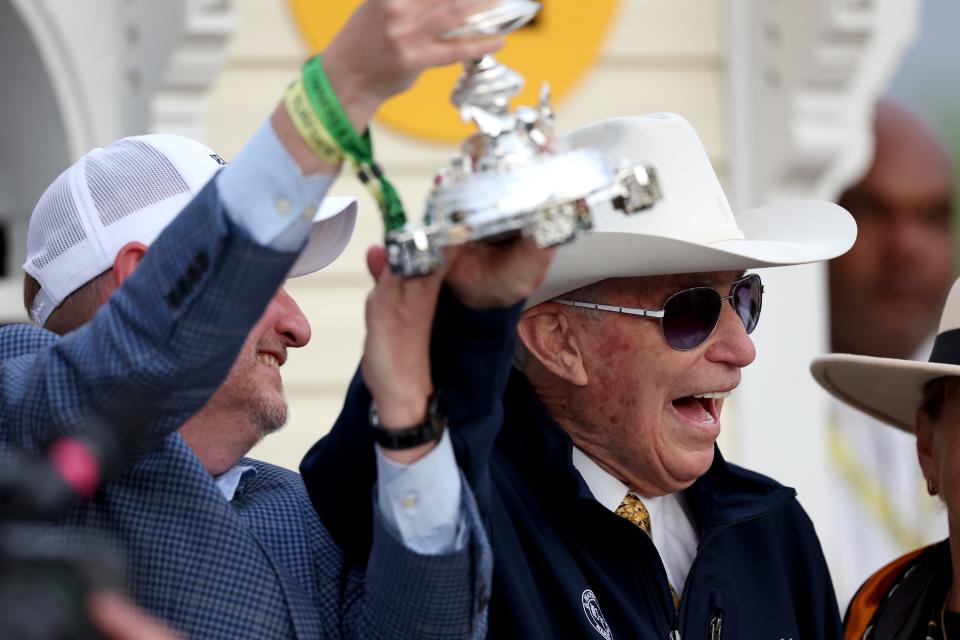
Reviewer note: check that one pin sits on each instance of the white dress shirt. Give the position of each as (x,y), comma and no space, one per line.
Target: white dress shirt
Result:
(673,533)
(267,195)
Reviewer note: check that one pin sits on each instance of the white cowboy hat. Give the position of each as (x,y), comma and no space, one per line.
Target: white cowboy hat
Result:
(692,228)
(891,389)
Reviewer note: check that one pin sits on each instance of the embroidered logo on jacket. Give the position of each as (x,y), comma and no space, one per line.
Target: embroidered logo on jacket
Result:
(592,610)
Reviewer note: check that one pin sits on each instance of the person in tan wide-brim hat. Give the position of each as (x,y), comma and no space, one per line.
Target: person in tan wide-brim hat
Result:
(612,513)
(892,389)
(918,593)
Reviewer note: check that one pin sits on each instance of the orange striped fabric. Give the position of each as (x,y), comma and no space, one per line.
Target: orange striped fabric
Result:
(872,593)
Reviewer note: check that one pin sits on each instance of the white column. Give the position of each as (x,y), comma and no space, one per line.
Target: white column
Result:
(803,78)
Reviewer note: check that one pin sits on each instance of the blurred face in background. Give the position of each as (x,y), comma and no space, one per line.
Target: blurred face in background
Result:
(887,292)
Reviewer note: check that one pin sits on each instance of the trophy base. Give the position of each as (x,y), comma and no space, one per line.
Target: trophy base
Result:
(417,252)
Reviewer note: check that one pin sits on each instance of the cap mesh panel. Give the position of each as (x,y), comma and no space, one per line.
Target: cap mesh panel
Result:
(128,176)
(58,225)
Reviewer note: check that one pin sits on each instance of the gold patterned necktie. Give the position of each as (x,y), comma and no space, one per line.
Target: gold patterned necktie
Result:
(632,508)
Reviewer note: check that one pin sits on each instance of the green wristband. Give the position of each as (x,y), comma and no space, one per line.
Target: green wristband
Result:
(328,108)
(358,148)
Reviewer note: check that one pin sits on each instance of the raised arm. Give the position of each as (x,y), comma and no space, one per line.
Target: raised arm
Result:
(444,587)
(164,342)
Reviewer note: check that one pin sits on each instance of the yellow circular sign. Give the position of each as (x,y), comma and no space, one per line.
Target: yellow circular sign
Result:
(558,47)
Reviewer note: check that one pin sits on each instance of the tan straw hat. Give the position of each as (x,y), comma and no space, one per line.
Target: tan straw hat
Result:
(891,389)
(692,228)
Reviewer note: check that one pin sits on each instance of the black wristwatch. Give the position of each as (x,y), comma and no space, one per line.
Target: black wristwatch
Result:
(430,430)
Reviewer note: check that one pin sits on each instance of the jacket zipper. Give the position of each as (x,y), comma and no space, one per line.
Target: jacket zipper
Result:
(675,632)
(716,626)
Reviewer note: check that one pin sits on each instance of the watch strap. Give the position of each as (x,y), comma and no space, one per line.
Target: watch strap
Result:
(430,430)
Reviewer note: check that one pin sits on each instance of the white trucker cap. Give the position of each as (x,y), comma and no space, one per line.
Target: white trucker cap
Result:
(129,191)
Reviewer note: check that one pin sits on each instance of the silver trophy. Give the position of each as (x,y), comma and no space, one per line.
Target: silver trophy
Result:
(512,176)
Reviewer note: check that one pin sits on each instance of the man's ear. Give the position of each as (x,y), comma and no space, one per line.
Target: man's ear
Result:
(127,260)
(925,429)
(549,337)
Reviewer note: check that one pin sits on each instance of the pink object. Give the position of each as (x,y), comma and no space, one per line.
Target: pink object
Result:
(76,464)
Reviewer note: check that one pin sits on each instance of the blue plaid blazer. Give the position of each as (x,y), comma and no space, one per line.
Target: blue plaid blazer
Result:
(263,565)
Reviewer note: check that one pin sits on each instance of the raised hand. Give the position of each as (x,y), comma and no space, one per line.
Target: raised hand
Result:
(399,317)
(396,365)
(118,619)
(484,276)
(387,43)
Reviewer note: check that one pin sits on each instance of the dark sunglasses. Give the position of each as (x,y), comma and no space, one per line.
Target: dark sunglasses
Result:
(689,317)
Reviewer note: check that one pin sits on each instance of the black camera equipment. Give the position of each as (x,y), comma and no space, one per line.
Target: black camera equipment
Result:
(47,571)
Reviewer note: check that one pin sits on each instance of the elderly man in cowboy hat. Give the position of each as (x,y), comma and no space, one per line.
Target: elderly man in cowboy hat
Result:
(918,594)
(612,514)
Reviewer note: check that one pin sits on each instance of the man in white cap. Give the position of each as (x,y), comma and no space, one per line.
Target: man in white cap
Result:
(897,274)
(610,510)
(218,545)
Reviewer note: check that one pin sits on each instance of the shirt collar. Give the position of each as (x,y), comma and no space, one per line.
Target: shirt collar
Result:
(606,489)
(229,480)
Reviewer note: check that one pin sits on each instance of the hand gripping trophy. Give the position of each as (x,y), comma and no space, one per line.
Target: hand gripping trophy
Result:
(512,176)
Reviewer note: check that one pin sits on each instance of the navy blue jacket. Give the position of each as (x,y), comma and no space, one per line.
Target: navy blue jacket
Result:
(564,566)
